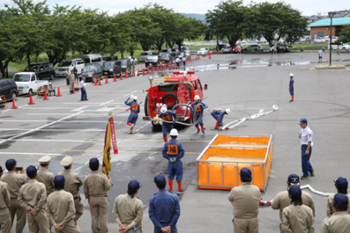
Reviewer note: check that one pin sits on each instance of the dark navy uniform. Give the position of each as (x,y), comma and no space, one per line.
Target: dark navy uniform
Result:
(164,210)
(291,88)
(134,111)
(166,127)
(199,107)
(218,115)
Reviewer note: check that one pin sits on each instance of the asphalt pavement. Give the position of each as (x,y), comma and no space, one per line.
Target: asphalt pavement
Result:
(66,126)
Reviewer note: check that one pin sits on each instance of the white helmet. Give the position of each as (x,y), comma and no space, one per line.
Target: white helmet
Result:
(291,74)
(163,110)
(135,97)
(196,97)
(227,110)
(174,132)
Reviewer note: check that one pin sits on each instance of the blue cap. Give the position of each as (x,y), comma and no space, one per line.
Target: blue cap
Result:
(293,179)
(341,201)
(94,162)
(294,191)
(245,172)
(1,169)
(160,180)
(59,180)
(302,121)
(31,171)
(134,185)
(10,163)
(341,183)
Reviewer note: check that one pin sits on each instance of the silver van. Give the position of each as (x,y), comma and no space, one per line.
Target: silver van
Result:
(144,55)
(92,58)
(61,68)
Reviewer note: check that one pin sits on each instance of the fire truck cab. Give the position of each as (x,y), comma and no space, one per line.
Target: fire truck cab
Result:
(176,91)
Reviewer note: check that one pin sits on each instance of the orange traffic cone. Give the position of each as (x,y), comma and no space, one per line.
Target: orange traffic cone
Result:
(99,82)
(147,70)
(132,74)
(126,74)
(95,82)
(121,76)
(160,67)
(164,67)
(115,78)
(209,56)
(14,103)
(157,67)
(45,96)
(143,72)
(31,99)
(138,73)
(152,69)
(106,80)
(58,92)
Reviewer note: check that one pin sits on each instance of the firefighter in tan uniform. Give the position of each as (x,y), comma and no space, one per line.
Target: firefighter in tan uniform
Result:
(14,183)
(282,199)
(60,208)
(339,222)
(128,209)
(245,200)
(342,187)
(297,217)
(5,218)
(96,186)
(32,197)
(45,176)
(72,184)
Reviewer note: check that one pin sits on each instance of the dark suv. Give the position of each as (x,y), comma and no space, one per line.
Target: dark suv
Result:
(90,71)
(110,58)
(42,70)
(8,88)
(111,68)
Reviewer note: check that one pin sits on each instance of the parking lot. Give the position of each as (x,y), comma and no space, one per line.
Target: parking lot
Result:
(244,83)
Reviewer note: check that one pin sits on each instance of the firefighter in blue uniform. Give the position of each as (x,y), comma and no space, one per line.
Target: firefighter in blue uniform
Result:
(170,116)
(291,87)
(173,151)
(134,111)
(199,106)
(218,115)
(164,208)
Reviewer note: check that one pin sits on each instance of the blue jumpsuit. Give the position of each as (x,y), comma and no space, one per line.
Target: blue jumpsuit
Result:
(134,111)
(291,86)
(174,149)
(199,110)
(164,210)
(168,116)
(218,116)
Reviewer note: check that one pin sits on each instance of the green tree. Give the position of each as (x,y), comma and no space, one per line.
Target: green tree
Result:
(345,34)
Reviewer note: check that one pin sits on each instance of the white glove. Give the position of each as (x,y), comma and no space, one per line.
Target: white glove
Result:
(172,160)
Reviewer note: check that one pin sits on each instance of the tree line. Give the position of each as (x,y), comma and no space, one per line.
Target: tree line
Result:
(29,29)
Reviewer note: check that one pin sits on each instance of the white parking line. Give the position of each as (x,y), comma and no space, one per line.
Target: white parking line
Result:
(39,128)
(106,102)
(142,127)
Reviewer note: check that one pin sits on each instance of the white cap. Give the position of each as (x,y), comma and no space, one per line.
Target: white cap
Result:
(163,110)
(227,110)
(45,159)
(174,132)
(66,161)
(291,74)
(196,97)
(135,97)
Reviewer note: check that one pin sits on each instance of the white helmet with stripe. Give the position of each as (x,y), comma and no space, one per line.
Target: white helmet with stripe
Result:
(135,97)
(163,109)
(227,110)
(196,97)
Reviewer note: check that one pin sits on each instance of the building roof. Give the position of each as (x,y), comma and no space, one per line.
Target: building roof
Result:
(327,22)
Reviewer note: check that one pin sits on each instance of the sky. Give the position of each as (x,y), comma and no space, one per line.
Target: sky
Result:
(307,7)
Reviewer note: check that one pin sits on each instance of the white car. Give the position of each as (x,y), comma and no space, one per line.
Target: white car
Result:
(61,69)
(203,51)
(144,55)
(226,49)
(187,43)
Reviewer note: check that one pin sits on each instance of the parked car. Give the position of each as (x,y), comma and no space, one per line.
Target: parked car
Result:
(110,58)
(342,46)
(8,88)
(187,43)
(154,60)
(187,53)
(144,55)
(166,58)
(61,68)
(281,48)
(92,59)
(238,49)
(175,54)
(91,71)
(126,65)
(28,82)
(166,50)
(319,40)
(202,51)
(184,48)
(254,47)
(153,47)
(227,49)
(42,70)
(175,50)
(111,68)
(131,58)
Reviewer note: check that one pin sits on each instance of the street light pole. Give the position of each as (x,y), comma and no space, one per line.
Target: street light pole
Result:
(331,15)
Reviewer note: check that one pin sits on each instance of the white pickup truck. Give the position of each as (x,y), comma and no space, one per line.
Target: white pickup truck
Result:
(27,82)
(342,46)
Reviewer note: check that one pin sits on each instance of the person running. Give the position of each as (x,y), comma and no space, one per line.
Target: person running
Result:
(134,111)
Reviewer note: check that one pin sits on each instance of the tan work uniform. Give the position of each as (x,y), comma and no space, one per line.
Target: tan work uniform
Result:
(330,202)
(282,200)
(298,219)
(33,195)
(14,183)
(71,81)
(96,186)
(60,210)
(46,177)
(339,222)
(72,185)
(128,210)
(245,200)
(5,218)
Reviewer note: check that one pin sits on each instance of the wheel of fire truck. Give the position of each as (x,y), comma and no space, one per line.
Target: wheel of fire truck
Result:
(170,99)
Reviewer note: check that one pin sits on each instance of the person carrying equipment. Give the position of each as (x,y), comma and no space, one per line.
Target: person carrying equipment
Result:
(198,106)
(134,111)
(291,87)
(169,116)
(218,115)
(173,151)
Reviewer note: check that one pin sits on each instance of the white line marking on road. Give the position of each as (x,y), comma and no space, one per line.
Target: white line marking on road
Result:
(51,140)
(49,130)
(106,102)
(142,127)
(26,121)
(85,114)
(39,128)
(26,153)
